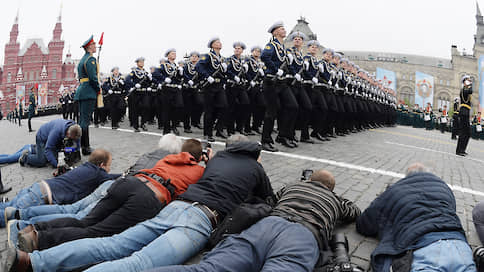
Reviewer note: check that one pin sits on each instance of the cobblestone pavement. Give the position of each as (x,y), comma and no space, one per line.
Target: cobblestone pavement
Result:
(363,164)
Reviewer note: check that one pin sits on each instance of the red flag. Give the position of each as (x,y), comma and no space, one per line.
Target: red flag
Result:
(101,39)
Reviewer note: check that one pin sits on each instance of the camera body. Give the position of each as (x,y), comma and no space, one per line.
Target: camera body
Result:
(70,151)
(306,174)
(340,260)
(205,145)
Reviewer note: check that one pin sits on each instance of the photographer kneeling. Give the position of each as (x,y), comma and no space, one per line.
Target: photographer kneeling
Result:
(304,216)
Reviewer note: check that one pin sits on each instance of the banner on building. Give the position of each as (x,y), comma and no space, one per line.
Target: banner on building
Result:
(481,83)
(42,96)
(424,89)
(20,95)
(387,78)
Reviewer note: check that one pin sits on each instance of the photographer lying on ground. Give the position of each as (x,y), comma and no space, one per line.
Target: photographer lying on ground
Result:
(131,199)
(168,144)
(289,240)
(416,222)
(65,189)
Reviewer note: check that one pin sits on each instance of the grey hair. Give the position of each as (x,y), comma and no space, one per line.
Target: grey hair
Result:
(75,131)
(236,138)
(416,168)
(170,143)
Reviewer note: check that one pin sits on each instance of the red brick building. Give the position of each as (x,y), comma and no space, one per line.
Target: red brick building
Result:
(35,63)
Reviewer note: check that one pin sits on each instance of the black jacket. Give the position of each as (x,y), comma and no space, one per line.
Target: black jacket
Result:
(414,206)
(230,177)
(148,160)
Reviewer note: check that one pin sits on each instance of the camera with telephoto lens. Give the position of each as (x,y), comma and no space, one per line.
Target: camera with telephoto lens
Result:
(341,260)
(306,174)
(71,152)
(205,145)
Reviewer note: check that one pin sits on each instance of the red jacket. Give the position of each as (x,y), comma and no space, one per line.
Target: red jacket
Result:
(182,169)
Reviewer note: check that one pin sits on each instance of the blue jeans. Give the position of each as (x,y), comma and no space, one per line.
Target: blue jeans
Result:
(444,255)
(27,197)
(6,158)
(272,244)
(38,158)
(177,233)
(77,210)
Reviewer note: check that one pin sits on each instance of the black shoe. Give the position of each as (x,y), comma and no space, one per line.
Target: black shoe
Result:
(32,130)
(250,133)
(175,130)
(319,137)
(463,154)
(87,151)
(257,130)
(198,126)
(269,147)
(160,127)
(221,134)
(3,189)
(242,132)
(308,141)
(136,130)
(144,127)
(209,138)
(23,157)
(287,143)
(114,127)
(187,130)
(96,125)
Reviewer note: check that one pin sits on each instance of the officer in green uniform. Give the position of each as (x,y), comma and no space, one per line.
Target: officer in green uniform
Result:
(32,107)
(87,91)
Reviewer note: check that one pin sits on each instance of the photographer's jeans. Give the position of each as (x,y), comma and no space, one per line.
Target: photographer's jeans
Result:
(27,197)
(38,158)
(272,244)
(13,158)
(444,255)
(77,210)
(178,232)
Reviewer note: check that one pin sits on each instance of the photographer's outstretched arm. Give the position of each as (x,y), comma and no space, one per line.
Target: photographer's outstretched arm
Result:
(367,223)
(350,211)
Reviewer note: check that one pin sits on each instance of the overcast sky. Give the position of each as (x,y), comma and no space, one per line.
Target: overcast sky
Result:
(149,27)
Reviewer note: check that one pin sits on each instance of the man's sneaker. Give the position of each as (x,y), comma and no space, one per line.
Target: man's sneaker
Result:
(12,232)
(9,213)
(23,157)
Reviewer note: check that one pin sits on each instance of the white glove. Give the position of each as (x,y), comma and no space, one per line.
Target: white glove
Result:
(154,90)
(150,76)
(290,57)
(246,67)
(137,85)
(190,82)
(159,85)
(297,77)
(148,89)
(261,71)
(210,79)
(252,83)
(279,72)
(121,82)
(237,79)
(306,65)
(180,70)
(167,80)
(321,67)
(179,87)
(110,92)
(224,66)
(315,80)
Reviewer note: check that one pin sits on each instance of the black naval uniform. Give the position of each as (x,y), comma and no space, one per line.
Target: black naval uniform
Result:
(455,121)
(192,98)
(464,114)
(215,99)
(139,83)
(116,92)
(63,102)
(280,101)
(254,78)
(237,97)
(168,77)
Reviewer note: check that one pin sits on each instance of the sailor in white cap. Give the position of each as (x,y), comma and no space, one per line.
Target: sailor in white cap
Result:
(192,101)
(138,82)
(116,91)
(464,115)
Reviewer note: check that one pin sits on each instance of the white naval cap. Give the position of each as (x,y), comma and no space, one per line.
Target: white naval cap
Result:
(275,25)
(255,47)
(297,34)
(195,53)
(169,51)
(314,42)
(213,39)
(139,59)
(239,43)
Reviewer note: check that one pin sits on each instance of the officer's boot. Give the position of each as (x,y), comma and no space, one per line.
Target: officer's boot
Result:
(86,149)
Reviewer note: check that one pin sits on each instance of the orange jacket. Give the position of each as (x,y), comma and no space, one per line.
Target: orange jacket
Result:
(182,169)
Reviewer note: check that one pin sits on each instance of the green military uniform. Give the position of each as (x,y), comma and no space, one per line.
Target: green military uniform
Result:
(32,106)
(86,93)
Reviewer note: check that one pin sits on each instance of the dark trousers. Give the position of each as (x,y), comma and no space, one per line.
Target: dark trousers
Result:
(29,121)
(464,132)
(272,244)
(280,102)
(116,108)
(320,109)
(455,125)
(238,110)
(305,108)
(86,108)
(128,202)
(257,107)
(172,104)
(188,95)
(64,111)
(215,106)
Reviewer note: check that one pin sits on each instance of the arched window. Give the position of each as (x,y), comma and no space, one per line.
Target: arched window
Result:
(9,77)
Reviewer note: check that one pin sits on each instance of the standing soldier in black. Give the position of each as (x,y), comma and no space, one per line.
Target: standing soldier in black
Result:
(464,114)
(192,103)
(168,77)
(139,82)
(71,105)
(212,69)
(255,75)
(62,101)
(280,101)
(237,98)
(455,119)
(32,106)
(116,91)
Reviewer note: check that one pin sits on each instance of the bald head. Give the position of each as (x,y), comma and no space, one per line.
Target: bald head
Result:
(325,177)
(416,168)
